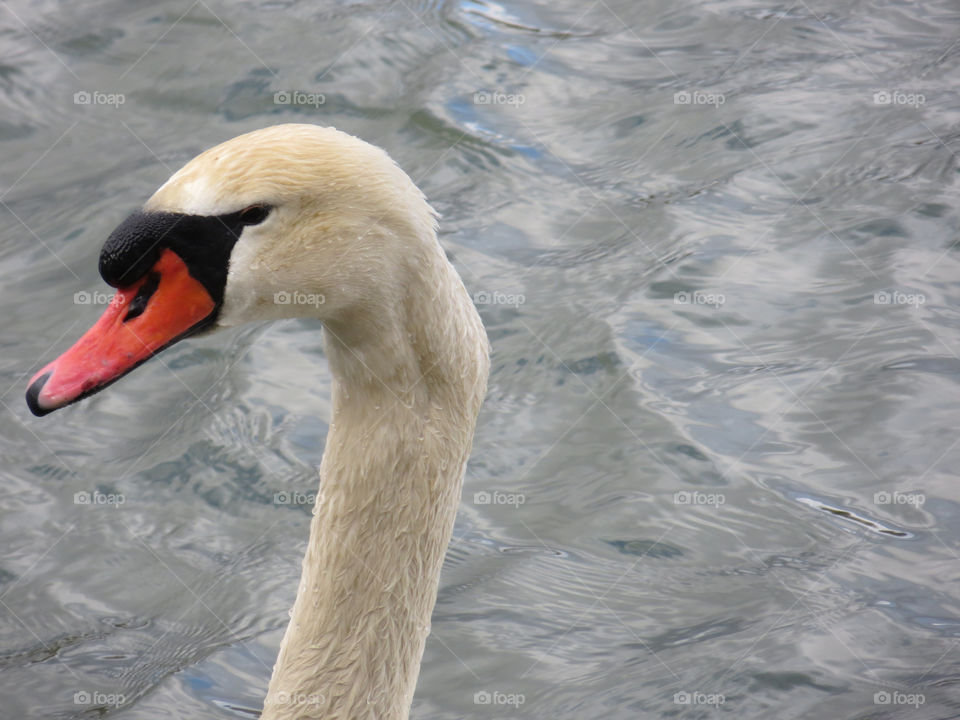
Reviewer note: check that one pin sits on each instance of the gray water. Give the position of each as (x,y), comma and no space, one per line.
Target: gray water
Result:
(714,246)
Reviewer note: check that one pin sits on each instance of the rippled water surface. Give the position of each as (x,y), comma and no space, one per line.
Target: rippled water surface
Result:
(714,246)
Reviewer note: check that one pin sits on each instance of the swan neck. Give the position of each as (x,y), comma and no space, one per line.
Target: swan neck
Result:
(407,389)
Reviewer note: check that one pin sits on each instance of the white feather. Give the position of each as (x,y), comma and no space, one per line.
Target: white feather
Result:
(410,362)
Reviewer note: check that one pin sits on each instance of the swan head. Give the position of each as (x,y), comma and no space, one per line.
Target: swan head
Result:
(288,221)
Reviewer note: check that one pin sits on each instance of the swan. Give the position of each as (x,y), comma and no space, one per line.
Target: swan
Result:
(299,220)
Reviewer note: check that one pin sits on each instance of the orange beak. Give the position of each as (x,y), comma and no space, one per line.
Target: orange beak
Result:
(164,306)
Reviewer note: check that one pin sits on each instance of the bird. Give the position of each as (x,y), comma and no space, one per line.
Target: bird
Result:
(299,220)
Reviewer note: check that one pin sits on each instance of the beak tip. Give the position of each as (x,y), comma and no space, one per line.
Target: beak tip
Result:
(33,396)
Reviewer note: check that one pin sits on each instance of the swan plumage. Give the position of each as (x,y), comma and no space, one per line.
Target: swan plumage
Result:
(304,211)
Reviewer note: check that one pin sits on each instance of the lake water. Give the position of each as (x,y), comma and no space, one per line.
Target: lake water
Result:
(715,248)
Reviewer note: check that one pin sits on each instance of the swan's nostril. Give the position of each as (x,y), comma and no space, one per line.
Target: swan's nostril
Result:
(140,300)
(33,395)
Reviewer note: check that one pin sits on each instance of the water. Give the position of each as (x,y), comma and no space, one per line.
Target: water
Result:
(725,370)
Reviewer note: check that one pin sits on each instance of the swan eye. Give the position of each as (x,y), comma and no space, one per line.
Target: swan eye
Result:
(255,214)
